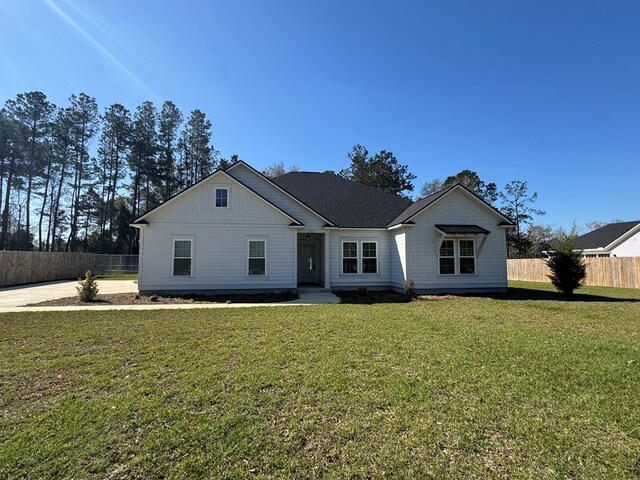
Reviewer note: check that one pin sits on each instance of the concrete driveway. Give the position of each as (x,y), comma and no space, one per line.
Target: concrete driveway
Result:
(41,292)
(13,299)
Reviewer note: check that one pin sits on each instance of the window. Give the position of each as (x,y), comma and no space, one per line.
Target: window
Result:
(467,258)
(349,257)
(222,195)
(457,257)
(182,258)
(257,257)
(369,257)
(447,258)
(359,257)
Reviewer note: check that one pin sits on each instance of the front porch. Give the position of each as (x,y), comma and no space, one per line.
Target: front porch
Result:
(312,262)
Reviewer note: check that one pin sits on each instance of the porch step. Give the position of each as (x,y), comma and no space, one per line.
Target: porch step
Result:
(312,290)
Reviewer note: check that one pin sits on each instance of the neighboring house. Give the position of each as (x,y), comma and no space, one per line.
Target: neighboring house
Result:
(237,230)
(620,239)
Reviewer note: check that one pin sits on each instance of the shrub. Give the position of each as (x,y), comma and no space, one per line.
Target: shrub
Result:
(87,288)
(567,266)
(409,288)
(362,291)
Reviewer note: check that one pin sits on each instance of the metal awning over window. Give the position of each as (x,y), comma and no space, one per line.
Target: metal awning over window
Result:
(462,229)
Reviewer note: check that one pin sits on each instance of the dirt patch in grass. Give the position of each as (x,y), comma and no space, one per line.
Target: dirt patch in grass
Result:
(135,299)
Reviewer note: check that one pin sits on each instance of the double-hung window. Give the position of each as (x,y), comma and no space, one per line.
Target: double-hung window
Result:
(257,258)
(349,257)
(182,257)
(467,257)
(369,257)
(359,257)
(222,197)
(457,257)
(447,258)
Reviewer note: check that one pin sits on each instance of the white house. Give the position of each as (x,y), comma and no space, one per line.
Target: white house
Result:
(620,239)
(239,231)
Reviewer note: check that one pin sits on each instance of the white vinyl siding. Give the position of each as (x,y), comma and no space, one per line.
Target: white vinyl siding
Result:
(398,257)
(422,245)
(257,257)
(262,186)
(182,257)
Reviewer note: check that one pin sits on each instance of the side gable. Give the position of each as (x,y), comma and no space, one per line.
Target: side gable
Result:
(249,176)
(408,216)
(196,204)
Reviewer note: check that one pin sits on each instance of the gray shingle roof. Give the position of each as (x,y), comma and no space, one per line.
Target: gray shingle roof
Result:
(345,203)
(603,236)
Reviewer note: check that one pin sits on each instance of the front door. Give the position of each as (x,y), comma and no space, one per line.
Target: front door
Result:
(306,263)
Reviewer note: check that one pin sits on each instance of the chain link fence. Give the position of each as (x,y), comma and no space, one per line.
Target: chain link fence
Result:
(116,264)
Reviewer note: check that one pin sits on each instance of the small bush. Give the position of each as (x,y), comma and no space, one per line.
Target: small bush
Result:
(87,288)
(362,291)
(567,266)
(409,288)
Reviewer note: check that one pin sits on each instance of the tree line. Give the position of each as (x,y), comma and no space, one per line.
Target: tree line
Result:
(73,178)
(62,191)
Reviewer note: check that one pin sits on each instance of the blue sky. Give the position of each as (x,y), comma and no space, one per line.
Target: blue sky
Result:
(542,91)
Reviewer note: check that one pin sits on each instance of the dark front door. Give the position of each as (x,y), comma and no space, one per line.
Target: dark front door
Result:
(306,263)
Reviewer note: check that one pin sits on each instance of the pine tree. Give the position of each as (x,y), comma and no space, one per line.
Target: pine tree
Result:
(170,120)
(567,266)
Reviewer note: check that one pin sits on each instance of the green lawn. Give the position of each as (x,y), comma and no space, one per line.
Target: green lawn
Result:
(457,388)
(119,276)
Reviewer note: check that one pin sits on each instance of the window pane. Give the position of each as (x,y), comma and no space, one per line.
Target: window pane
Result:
(182,267)
(350,265)
(369,265)
(221,197)
(182,249)
(447,266)
(446,249)
(350,250)
(466,248)
(467,266)
(368,250)
(256,249)
(257,266)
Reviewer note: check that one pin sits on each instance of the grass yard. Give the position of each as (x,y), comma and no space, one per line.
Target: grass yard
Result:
(457,388)
(119,276)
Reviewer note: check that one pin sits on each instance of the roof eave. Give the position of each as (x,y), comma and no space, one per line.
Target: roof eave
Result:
(624,237)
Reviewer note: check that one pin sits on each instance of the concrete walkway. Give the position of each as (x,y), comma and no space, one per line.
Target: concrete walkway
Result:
(13,299)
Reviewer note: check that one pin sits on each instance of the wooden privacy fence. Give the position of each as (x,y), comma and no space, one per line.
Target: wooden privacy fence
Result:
(17,268)
(604,272)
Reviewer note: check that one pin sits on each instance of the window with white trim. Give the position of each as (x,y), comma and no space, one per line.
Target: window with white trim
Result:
(457,257)
(369,257)
(359,257)
(182,257)
(222,197)
(257,257)
(447,258)
(467,257)
(349,257)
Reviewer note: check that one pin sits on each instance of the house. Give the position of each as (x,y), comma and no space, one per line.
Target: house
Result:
(237,230)
(620,239)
